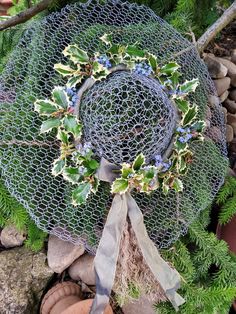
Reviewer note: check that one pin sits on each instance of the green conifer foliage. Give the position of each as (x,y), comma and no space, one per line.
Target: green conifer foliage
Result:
(184,15)
(227,199)
(207,268)
(11,212)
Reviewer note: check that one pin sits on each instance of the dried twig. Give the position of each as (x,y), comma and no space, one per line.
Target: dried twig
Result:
(25,15)
(214,29)
(28,143)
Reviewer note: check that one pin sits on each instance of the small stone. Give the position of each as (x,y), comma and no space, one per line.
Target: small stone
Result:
(213,101)
(83,268)
(230,105)
(231,120)
(222,85)
(23,278)
(232,94)
(229,65)
(233,56)
(233,80)
(61,254)
(215,68)
(225,112)
(229,133)
(11,237)
(224,96)
(232,146)
(140,306)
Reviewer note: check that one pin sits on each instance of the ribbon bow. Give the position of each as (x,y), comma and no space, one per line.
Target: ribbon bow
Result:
(108,249)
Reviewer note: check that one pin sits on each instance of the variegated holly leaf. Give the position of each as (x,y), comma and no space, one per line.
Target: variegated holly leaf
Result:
(177,185)
(45,107)
(180,147)
(71,174)
(181,164)
(190,115)
(153,62)
(189,86)
(134,51)
(165,185)
(64,70)
(95,185)
(149,173)
(126,171)
(63,136)
(198,126)
(106,38)
(182,104)
(138,162)
(99,71)
(120,186)
(174,78)
(72,125)
(76,54)
(169,68)
(74,80)
(60,97)
(81,193)
(50,124)
(93,164)
(58,166)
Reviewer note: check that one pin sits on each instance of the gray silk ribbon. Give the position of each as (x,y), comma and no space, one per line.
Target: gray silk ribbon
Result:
(108,250)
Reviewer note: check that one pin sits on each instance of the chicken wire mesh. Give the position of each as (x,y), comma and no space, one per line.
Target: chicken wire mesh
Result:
(122,115)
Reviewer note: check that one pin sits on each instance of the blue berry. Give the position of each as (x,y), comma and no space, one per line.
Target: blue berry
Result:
(182,139)
(84,149)
(180,130)
(142,68)
(166,166)
(188,137)
(104,61)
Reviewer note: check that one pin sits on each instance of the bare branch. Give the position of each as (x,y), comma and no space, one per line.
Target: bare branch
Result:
(213,30)
(25,15)
(29,143)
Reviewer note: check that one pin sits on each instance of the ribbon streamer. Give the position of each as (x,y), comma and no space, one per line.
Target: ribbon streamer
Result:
(108,250)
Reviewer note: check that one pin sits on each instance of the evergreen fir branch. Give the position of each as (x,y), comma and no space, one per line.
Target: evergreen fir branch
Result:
(179,257)
(227,190)
(19,217)
(186,6)
(181,21)
(204,216)
(35,237)
(209,246)
(11,212)
(162,7)
(2,221)
(201,300)
(5,201)
(228,210)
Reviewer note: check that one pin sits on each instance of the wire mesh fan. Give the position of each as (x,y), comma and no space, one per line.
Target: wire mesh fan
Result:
(122,115)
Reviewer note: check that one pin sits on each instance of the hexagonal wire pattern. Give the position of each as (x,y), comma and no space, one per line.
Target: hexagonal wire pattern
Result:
(116,111)
(125,115)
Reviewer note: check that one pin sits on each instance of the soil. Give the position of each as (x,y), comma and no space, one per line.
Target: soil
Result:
(225,42)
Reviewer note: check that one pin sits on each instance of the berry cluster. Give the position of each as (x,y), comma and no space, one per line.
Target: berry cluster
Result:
(84,149)
(104,60)
(72,94)
(159,163)
(185,133)
(143,68)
